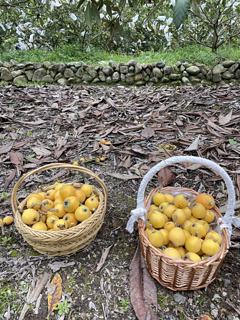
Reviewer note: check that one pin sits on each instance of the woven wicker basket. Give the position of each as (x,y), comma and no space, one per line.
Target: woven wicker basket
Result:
(62,242)
(177,274)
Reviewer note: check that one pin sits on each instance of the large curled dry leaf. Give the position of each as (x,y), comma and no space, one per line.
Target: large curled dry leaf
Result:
(165,177)
(54,298)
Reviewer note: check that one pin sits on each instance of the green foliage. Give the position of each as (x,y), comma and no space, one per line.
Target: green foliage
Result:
(125,304)
(63,307)
(5,195)
(180,11)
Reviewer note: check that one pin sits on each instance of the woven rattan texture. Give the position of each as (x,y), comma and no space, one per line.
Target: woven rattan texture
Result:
(177,274)
(62,242)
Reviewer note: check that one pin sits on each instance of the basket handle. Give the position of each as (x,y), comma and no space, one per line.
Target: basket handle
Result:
(14,200)
(140,211)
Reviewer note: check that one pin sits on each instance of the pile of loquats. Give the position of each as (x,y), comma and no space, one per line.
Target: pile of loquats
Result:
(60,208)
(181,228)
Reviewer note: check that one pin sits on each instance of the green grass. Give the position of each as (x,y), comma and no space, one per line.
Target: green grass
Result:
(70,53)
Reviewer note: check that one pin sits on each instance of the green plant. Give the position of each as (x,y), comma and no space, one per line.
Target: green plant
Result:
(5,240)
(31,156)
(63,307)
(125,304)
(85,284)
(5,195)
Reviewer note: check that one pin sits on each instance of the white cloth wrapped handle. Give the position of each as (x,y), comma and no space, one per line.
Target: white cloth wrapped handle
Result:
(140,211)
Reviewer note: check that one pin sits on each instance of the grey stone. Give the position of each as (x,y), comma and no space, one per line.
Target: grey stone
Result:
(185,74)
(201,76)
(58,76)
(205,82)
(74,80)
(16,73)
(131,69)
(209,75)
(175,76)
(13,62)
(6,74)
(138,77)
(157,73)
(185,80)
(20,66)
(178,64)
(96,80)
(116,76)
(228,75)
(61,67)
(52,73)
(178,298)
(112,64)
(124,69)
(145,65)
(203,70)
(146,79)
(228,63)
(101,76)
(129,80)
(237,74)
(97,68)
(182,68)
(68,73)
(73,69)
(62,81)
(167,70)
(1,64)
(214,312)
(29,74)
(109,79)
(234,67)
(132,63)
(193,70)
(194,79)
(80,73)
(108,70)
(78,64)
(165,80)
(148,71)
(39,74)
(7,64)
(176,83)
(144,73)
(93,73)
(129,74)
(123,77)
(154,80)
(48,79)
(160,64)
(217,77)
(22,79)
(123,64)
(85,66)
(138,68)
(37,65)
(70,64)
(87,78)
(46,64)
(140,83)
(186,65)
(29,67)
(218,69)
(224,294)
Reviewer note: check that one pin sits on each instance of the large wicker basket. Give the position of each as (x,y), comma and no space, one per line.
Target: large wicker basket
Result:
(62,242)
(178,274)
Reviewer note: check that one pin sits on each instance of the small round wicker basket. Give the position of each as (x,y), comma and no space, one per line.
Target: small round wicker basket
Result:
(178,274)
(62,242)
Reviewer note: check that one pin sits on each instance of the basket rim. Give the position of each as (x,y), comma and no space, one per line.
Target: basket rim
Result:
(189,264)
(81,225)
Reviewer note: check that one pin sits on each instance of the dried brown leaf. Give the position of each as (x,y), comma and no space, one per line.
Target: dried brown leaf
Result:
(54,298)
(103,258)
(194,145)
(123,176)
(148,133)
(9,178)
(136,289)
(149,286)
(6,148)
(17,159)
(225,119)
(165,177)
(40,151)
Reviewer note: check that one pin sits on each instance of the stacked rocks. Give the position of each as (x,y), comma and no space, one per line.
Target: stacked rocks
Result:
(131,73)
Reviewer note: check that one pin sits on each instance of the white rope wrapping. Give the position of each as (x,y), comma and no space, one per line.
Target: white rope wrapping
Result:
(139,212)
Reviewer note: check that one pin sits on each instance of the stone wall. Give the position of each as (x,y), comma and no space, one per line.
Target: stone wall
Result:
(131,73)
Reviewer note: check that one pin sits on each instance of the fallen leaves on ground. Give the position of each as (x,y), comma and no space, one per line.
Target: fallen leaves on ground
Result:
(54,298)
